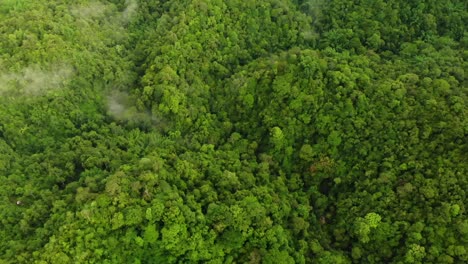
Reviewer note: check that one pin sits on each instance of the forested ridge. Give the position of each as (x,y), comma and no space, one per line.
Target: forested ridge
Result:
(210,131)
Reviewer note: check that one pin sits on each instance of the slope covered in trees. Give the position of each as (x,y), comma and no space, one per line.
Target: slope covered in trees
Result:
(209,131)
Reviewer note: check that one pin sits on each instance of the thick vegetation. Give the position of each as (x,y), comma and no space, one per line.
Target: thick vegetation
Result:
(210,131)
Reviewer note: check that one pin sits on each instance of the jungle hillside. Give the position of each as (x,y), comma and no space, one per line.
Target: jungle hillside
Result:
(237,131)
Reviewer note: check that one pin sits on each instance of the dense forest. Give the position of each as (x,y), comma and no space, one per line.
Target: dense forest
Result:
(210,131)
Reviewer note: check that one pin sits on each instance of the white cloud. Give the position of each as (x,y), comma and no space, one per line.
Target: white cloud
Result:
(130,10)
(91,11)
(34,80)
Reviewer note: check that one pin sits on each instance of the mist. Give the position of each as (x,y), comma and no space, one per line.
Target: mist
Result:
(121,107)
(90,11)
(130,10)
(118,105)
(34,80)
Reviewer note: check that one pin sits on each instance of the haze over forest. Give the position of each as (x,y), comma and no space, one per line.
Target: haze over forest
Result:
(239,131)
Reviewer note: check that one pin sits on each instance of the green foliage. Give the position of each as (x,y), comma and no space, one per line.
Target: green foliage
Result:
(210,131)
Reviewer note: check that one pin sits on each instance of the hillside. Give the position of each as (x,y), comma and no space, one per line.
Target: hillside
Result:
(209,131)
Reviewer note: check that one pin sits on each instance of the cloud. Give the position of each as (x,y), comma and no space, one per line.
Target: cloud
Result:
(121,107)
(92,10)
(130,10)
(117,105)
(34,80)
